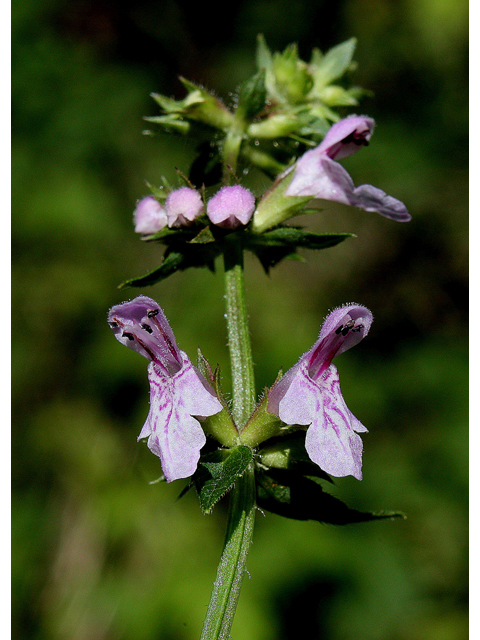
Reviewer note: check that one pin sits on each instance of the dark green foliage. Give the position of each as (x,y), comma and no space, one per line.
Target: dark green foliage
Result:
(217,473)
(200,246)
(292,495)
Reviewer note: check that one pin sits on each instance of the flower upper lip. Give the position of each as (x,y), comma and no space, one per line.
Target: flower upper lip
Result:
(178,392)
(309,394)
(142,326)
(317,174)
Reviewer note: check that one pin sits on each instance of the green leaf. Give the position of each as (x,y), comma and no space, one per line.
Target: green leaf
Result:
(273,246)
(205,236)
(182,253)
(252,96)
(292,495)
(170,122)
(170,264)
(177,106)
(159,192)
(263,55)
(217,473)
(336,96)
(333,64)
(288,452)
(297,237)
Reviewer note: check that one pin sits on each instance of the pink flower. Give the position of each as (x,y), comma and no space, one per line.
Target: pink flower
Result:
(149,216)
(309,394)
(317,174)
(179,394)
(183,206)
(231,207)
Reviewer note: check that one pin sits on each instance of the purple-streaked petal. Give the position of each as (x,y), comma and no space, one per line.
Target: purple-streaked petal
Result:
(331,441)
(309,394)
(325,179)
(149,216)
(183,206)
(174,435)
(231,207)
(294,398)
(372,199)
(312,179)
(141,325)
(346,137)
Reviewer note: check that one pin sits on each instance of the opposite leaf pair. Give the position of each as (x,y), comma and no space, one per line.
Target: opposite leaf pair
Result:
(180,397)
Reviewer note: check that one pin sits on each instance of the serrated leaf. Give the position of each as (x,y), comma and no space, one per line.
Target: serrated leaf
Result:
(181,254)
(217,473)
(292,495)
(297,237)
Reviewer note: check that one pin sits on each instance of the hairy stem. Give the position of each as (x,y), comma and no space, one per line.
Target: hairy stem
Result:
(241,514)
(243,382)
(231,569)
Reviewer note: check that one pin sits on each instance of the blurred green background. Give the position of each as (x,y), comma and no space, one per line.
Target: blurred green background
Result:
(98,552)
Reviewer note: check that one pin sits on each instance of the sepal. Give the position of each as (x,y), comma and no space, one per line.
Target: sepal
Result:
(206,107)
(199,105)
(220,426)
(261,425)
(251,97)
(275,207)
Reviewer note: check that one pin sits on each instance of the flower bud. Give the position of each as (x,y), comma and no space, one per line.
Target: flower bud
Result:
(149,216)
(231,207)
(183,206)
(275,126)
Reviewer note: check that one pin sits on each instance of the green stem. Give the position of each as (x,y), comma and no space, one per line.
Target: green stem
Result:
(231,150)
(231,569)
(243,382)
(241,514)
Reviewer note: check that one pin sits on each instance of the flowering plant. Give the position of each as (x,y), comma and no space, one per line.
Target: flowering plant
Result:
(277,451)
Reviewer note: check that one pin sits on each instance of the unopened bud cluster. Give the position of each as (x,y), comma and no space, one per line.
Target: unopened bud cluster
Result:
(230,207)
